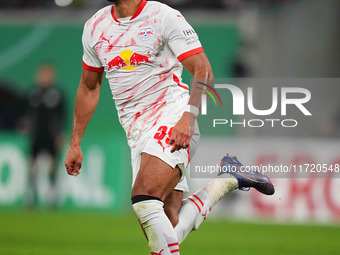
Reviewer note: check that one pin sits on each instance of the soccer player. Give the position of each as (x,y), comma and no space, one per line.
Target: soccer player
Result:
(142,46)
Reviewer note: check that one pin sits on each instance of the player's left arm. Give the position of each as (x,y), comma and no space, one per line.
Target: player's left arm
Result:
(199,66)
(184,43)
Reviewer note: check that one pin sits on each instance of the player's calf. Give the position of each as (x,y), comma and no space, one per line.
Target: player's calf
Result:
(172,206)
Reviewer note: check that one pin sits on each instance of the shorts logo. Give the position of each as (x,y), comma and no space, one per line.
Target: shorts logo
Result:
(145,33)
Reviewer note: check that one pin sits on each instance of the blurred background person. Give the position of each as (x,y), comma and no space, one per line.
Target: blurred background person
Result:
(46,117)
(12,107)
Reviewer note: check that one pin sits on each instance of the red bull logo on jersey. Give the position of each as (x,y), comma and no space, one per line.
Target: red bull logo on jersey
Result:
(128,60)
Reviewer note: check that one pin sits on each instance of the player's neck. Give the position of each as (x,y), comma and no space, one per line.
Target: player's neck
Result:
(126,8)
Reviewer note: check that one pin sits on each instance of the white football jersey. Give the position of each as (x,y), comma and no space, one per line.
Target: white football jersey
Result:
(141,57)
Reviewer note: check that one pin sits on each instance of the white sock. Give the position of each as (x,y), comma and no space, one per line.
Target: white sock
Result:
(196,207)
(160,233)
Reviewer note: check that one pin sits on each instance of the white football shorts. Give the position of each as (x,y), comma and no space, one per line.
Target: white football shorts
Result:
(156,142)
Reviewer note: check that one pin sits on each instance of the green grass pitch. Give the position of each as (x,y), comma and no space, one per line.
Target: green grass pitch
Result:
(66,233)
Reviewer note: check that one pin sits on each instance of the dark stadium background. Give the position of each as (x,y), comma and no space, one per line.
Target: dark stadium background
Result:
(252,39)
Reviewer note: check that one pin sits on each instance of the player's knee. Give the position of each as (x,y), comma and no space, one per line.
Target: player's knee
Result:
(144,205)
(147,190)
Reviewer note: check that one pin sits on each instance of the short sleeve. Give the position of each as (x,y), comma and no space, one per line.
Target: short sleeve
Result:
(91,61)
(181,37)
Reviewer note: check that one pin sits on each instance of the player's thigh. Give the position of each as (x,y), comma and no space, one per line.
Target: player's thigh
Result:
(172,205)
(155,178)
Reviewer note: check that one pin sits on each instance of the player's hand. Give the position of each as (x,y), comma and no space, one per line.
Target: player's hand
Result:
(74,160)
(182,132)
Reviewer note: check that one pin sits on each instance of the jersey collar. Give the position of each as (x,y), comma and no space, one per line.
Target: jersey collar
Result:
(139,10)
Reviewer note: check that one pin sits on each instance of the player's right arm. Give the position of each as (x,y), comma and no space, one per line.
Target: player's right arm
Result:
(86,103)
(86,100)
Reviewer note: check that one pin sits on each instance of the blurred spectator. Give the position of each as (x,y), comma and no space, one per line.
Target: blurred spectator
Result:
(337,124)
(46,128)
(240,69)
(12,108)
(331,127)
